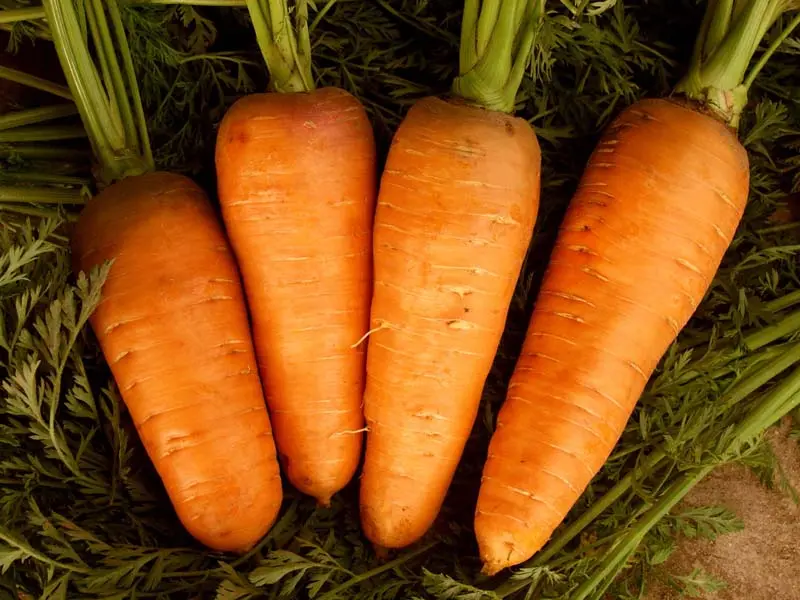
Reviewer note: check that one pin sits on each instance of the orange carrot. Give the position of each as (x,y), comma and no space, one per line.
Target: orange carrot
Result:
(657,207)
(457,204)
(173,326)
(172,319)
(297,184)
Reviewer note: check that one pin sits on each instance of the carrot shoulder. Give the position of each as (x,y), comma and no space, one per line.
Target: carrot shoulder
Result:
(173,326)
(655,211)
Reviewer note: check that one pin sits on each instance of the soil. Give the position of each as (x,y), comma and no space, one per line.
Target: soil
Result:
(762,562)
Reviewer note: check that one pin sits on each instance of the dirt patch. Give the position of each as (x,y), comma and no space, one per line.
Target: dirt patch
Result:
(762,562)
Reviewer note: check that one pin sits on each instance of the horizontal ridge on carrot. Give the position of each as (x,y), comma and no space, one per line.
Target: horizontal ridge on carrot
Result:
(457,204)
(655,210)
(297,184)
(172,320)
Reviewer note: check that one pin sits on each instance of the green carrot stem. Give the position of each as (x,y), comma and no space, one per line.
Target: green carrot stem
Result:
(35,133)
(754,340)
(729,37)
(783,302)
(35,82)
(788,324)
(31,116)
(776,43)
(496,43)
(286,46)
(779,228)
(617,557)
(111,112)
(43,213)
(321,15)
(137,108)
(34,152)
(759,375)
(43,178)
(41,195)
(14,15)
(779,402)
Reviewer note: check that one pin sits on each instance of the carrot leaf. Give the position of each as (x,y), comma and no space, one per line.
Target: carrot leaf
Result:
(730,35)
(286,46)
(497,38)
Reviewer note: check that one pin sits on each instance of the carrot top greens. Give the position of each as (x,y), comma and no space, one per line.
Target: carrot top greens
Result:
(729,37)
(286,46)
(107,96)
(497,39)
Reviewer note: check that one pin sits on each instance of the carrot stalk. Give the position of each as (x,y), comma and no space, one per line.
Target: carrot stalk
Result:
(457,204)
(41,195)
(35,133)
(296,180)
(14,15)
(38,83)
(31,116)
(172,322)
(632,261)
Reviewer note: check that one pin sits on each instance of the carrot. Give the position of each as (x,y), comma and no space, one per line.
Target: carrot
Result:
(655,210)
(297,184)
(172,320)
(173,327)
(457,204)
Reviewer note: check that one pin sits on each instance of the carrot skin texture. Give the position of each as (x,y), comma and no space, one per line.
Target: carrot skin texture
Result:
(172,324)
(658,205)
(297,184)
(457,204)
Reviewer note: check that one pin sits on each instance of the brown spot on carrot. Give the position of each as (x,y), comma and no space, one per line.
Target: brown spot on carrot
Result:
(509,127)
(239,136)
(581,249)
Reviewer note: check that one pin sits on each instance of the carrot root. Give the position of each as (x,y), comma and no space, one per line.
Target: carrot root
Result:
(173,326)
(655,210)
(457,203)
(296,180)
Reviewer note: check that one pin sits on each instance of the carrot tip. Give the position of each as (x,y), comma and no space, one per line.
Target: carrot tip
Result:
(324,502)
(491,569)
(383,325)
(381,552)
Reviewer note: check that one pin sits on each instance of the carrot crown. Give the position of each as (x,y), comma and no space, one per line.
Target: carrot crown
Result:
(107,96)
(286,48)
(729,36)
(496,43)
